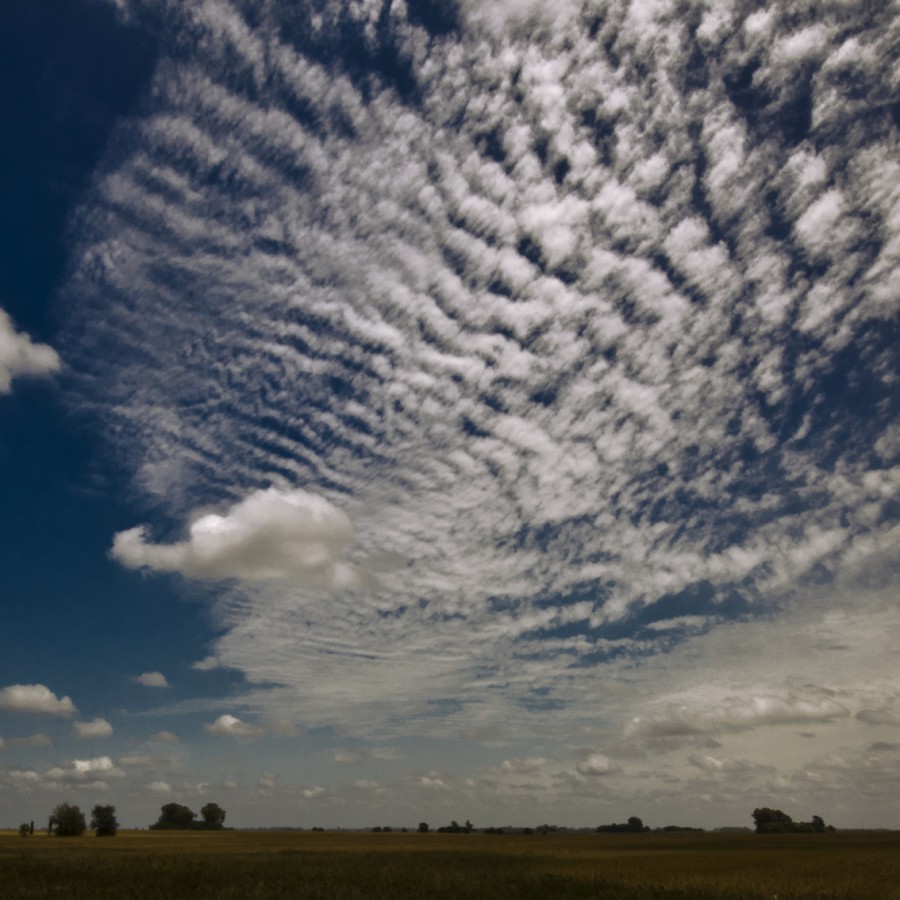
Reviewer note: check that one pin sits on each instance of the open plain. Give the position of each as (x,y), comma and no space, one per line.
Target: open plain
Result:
(140,865)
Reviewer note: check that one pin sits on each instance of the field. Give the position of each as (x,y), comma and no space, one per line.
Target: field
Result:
(341,866)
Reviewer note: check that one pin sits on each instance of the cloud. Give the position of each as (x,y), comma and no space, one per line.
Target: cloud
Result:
(20,357)
(207,664)
(164,737)
(32,740)
(350,757)
(152,679)
(271,534)
(231,726)
(596,764)
(738,714)
(85,770)
(587,329)
(94,729)
(35,698)
(159,787)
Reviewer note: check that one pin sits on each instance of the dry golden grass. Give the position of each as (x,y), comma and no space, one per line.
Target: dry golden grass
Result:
(244,864)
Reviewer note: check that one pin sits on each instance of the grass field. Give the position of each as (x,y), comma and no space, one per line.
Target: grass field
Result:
(336,866)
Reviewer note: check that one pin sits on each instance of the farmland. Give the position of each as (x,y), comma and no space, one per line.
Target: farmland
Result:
(274,865)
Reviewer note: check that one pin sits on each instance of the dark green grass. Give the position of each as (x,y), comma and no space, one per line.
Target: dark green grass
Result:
(463,867)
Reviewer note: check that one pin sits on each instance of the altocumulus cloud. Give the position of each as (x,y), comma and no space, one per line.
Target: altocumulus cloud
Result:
(585,322)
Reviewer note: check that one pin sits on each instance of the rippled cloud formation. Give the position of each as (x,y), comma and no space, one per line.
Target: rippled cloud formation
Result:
(478,356)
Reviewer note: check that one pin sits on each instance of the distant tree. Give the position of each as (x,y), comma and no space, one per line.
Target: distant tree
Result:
(633,825)
(175,816)
(24,830)
(213,816)
(104,821)
(468,827)
(68,821)
(774,821)
(423,828)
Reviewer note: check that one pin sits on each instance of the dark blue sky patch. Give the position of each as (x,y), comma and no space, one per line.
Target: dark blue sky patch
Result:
(59,105)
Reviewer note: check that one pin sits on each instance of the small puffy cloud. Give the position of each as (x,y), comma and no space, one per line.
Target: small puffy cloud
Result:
(266,781)
(24,776)
(94,729)
(231,726)
(19,355)
(83,770)
(159,787)
(349,757)
(206,664)
(270,535)
(35,698)
(164,737)
(312,793)
(596,764)
(152,679)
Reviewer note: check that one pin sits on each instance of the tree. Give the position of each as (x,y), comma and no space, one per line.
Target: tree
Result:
(104,821)
(24,830)
(68,821)
(772,821)
(175,816)
(423,828)
(213,816)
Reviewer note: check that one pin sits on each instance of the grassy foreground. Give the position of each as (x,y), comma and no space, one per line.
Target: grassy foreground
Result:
(275,865)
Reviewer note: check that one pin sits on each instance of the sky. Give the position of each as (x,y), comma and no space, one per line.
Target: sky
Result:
(415,411)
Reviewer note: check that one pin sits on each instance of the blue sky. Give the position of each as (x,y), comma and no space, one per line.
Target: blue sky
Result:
(409,411)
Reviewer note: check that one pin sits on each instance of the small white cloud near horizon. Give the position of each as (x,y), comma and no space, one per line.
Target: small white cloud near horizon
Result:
(95,729)
(35,698)
(164,737)
(152,679)
(269,535)
(159,787)
(231,726)
(19,355)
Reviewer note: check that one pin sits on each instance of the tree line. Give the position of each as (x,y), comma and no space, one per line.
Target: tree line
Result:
(68,820)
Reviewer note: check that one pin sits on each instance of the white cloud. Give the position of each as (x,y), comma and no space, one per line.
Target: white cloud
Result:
(207,664)
(85,770)
(19,356)
(152,679)
(649,448)
(596,764)
(159,787)
(231,726)
(164,737)
(35,698)
(94,729)
(271,534)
